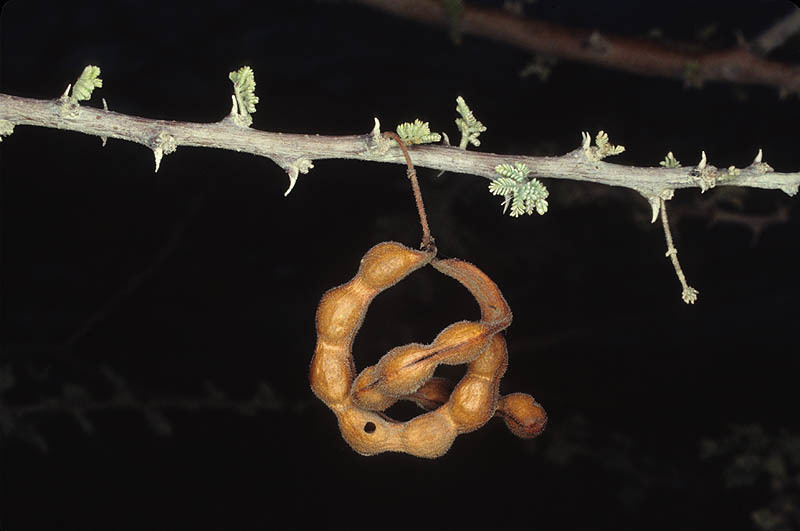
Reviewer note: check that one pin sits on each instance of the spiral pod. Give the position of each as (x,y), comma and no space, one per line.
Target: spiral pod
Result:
(341,312)
(406,372)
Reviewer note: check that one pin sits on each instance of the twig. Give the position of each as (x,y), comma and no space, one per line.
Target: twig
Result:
(689,294)
(778,33)
(640,56)
(574,166)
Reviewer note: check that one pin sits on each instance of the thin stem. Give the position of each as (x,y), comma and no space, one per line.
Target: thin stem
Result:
(427,240)
(778,33)
(637,55)
(283,147)
(689,294)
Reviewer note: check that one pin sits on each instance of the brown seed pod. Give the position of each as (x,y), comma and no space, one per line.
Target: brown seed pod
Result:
(406,372)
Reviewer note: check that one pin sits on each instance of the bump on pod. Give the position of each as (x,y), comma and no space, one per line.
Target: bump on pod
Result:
(406,372)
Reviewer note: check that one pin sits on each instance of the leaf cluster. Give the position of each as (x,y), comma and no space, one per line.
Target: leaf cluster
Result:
(86,83)
(418,132)
(469,126)
(244,87)
(525,195)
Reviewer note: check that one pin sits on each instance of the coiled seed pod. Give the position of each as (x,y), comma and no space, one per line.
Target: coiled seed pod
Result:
(406,372)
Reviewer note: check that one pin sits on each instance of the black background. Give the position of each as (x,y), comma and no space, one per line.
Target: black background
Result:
(225,273)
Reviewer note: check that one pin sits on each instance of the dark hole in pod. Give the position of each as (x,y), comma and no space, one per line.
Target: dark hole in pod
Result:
(369,427)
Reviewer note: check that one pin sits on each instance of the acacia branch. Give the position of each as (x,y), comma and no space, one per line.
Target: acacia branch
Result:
(639,56)
(778,33)
(287,150)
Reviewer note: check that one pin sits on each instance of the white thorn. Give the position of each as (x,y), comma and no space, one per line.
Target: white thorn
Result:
(66,92)
(301,165)
(376,130)
(655,204)
(703,161)
(379,141)
(104,139)
(292,171)
(758,158)
(158,153)
(587,140)
(234,105)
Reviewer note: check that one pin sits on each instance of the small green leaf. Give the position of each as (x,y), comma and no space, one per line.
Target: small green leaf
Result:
(469,126)
(86,83)
(670,161)
(418,132)
(503,186)
(244,87)
(605,147)
(525,195)
(518,171)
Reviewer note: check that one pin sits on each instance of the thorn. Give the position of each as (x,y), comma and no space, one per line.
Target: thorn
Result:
(758,158)
(293,172)
(165,144)
(105,108)
(158,153)
(301,165)
(703,161)
(66,92)
(376,130)
(587,140)
(234,106)
(655,204)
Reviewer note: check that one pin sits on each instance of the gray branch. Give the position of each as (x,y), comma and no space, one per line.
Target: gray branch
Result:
(778,33)
(294,152)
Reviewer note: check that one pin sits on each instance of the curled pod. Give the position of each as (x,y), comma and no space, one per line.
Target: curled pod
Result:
(406,372)
(341,313)
(474,400)
(491,301)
